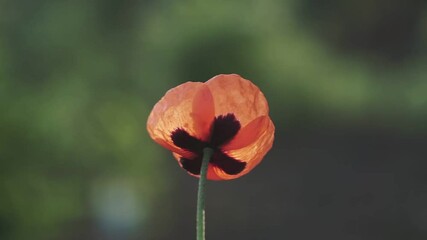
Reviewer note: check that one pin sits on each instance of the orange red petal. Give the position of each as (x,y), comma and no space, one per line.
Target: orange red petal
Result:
(234,94)
(249,134)
(175,110)
(253,153)
(203,112)
(193,106)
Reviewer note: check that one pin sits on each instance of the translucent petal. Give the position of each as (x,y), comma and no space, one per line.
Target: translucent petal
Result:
(252,153)
(178,109)
(249,133)
(234,94)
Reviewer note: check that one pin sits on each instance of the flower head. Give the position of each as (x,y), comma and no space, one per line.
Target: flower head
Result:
(227,113)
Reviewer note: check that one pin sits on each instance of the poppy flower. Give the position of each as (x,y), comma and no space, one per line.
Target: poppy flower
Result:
(227,113)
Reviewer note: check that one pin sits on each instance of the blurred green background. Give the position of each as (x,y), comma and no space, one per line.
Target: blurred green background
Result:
(347,87)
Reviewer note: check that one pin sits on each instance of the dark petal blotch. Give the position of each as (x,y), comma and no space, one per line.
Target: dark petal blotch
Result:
(228,164)
(183,139)
(192,165)
(224,128)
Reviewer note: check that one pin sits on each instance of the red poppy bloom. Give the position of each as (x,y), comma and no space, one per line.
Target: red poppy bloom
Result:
(227,113)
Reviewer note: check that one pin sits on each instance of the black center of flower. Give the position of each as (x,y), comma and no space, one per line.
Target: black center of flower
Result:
(223,130)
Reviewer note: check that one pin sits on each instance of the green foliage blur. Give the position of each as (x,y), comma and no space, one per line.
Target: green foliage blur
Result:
(78,79)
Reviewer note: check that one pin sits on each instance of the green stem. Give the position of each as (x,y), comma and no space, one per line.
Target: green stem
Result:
(207,154)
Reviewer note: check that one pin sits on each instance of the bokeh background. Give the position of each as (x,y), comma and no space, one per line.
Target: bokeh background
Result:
(347,87)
